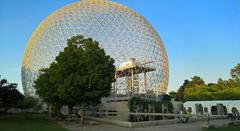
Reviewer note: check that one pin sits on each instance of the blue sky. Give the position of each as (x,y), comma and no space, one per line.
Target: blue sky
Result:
(202,37)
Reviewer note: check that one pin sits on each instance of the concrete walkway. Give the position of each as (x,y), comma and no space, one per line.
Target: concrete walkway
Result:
(192,126)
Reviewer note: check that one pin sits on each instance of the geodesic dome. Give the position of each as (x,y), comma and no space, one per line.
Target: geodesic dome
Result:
(120,31)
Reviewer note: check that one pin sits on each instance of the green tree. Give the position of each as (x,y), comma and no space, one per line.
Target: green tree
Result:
(173,94)
(235,72)
(31,104)
(180,92)
(9,95)
(195,81)
(197,93)
(196,89)
(186,91)
(82,74)
(46,87)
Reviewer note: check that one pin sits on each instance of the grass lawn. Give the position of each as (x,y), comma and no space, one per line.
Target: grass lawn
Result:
(35,123)
(229,128)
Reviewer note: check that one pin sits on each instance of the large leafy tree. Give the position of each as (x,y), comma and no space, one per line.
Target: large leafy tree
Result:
(9,95)
(81,74)
(235,72)
(180,92)
(196,89)
(46,87)
(29,103)
(173,94)
(192,89)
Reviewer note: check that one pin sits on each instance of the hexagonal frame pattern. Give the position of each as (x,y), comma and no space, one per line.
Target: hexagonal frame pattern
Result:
(120,31)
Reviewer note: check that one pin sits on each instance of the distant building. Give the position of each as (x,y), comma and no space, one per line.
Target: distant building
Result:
(221,107)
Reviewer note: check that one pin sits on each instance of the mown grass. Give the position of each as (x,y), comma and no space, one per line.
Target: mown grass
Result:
(229,128)
(34,123)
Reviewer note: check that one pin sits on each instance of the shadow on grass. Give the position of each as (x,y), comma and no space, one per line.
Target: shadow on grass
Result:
(36,122)
(228,128)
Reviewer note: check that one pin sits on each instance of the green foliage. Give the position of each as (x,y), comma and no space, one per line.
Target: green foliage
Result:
(9,95)
(196,81)
(30,103)
(235,72)
(81,74)
(213,91)
(196,89)
(173,94)
(165,97)
(46,86)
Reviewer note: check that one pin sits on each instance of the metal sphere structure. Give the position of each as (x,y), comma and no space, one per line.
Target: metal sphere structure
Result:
(124,35)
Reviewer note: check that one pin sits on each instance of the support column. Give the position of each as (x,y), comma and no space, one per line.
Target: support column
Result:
(145,82)
(115,86)
(132,74)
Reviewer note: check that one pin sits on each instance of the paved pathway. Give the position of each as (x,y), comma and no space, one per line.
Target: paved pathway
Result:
(192,126)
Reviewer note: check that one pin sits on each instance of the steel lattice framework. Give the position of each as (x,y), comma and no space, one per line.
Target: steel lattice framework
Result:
(120,31)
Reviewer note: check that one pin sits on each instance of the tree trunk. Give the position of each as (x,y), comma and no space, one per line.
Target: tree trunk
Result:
(57,111)
(70,108)
(6,110)
(82,113)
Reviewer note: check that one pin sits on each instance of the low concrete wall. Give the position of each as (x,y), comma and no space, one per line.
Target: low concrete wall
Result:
(153,123)
(110,121)
(134,124)
(146,123)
